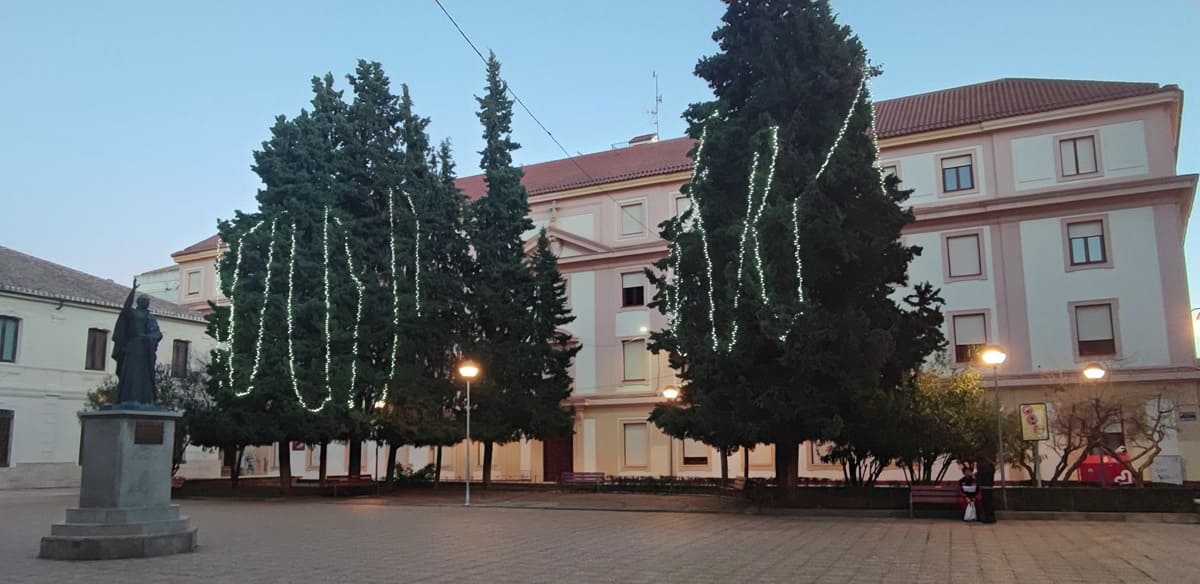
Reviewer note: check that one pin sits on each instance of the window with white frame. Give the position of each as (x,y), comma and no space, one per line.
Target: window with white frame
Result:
(1094,330)
(682,204)
(635,360)
(1078,155)
(633,289)
(963,259)
(889,170)
(1085,240)
(970,335)
(957,174)
(9,329)
(633,219)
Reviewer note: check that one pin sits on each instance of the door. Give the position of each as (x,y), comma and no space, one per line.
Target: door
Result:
(558,456)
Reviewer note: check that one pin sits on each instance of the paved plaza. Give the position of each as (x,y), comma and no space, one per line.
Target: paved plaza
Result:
(405,540)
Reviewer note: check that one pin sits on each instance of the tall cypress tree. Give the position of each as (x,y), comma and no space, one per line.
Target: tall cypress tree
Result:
(810,342)
(511,302)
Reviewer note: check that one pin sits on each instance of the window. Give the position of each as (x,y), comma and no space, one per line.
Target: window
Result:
(8,338)
(1078,155)
(636,448)
(97,349)
(682,204)
(633,289)
(963,259)
(957,174)
(695,452)
(1094,330)
(179,358)
(970,335)
(1085,241)
(633,219)
(193,283)
(635,360)
(889,170)
(6,418)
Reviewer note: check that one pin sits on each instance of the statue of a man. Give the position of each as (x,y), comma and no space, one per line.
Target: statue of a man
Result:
(135,346)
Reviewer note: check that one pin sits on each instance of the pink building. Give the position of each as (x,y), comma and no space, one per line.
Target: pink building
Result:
(1050,214)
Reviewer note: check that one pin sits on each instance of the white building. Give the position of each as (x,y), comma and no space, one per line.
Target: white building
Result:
(55,346)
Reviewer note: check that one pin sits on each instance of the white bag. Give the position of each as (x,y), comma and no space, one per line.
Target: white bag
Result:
(970,514)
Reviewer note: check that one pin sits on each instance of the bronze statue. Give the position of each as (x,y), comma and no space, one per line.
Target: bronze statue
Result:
(135,346)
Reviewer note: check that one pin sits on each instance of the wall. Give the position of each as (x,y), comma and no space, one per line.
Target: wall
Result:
(47,385)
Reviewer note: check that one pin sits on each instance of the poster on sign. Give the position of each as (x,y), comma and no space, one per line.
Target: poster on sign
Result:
(1033,422)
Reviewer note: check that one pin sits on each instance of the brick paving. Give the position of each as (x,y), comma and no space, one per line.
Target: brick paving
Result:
(418,540)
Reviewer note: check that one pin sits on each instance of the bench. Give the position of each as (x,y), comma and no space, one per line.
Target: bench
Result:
(942,494)
(582,479)
(734,489)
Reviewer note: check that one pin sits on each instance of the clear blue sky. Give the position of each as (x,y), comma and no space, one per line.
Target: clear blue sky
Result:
(126,128)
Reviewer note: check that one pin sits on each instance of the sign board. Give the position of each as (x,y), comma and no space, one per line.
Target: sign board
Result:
(1033,422)
(148,432)
(1167,469)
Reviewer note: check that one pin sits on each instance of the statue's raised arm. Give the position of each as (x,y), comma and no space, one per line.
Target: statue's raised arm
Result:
(135,343)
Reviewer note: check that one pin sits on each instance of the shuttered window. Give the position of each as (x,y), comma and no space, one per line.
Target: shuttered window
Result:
(179,358)
(633,289)
(634,360)
(957,174)
(633,219)
(1086,242)
(695,452)
(6,424)
(1094,330)
(963,257)
(97,349)
(970,335)
(636,446)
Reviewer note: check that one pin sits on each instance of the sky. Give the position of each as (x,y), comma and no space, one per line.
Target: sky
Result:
(127,129)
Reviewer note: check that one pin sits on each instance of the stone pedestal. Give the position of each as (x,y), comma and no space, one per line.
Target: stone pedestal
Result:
(125,508)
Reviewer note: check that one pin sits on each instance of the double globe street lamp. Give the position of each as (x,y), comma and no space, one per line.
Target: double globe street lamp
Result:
(994,355)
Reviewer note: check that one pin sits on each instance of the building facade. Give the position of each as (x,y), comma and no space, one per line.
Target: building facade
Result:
(55,346)
(1050,215)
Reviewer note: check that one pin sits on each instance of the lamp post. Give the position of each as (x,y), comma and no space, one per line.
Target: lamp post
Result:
(379,405)
(672,393)
(1095,372)
(468,370)
(994,356)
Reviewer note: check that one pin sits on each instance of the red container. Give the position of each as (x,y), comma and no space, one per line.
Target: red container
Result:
(1105,470)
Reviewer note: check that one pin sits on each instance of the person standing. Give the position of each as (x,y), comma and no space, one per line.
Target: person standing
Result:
(986,479)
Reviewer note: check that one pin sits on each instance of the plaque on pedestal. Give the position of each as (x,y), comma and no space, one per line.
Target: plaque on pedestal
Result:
(125,508)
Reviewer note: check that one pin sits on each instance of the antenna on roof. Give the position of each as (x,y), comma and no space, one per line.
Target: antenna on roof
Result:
(657,104)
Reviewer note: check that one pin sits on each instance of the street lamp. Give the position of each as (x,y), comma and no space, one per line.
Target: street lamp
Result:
(468,370)
(1096,372)
(994,355)
(672,393)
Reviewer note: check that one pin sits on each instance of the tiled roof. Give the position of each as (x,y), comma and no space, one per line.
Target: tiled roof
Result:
(993,100)
(609,166)
(26,275)
(901,116)
(207,244)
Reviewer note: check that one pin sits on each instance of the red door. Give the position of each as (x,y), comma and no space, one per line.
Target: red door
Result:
(558,456)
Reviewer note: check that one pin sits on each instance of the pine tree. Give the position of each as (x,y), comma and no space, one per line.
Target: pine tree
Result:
(797,366)
(549,384)
(512,309)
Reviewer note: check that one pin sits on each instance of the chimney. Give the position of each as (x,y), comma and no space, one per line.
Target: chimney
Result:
(643,139)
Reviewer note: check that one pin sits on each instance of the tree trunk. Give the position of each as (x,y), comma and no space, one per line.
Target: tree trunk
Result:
(745,463)
(391,463)
(235,469)
(724,467)
(487,464)
(355,446)
(323,471)
(787,456)
(285,467)
(437,468)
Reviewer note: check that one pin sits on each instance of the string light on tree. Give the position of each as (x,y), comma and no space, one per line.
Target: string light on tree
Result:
(358,285)
(395,291)
(237,266)
(328,343)
(262,314)
(417,252)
